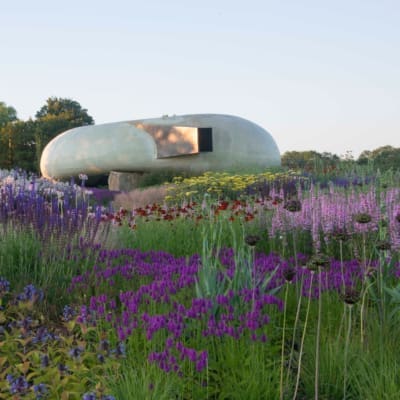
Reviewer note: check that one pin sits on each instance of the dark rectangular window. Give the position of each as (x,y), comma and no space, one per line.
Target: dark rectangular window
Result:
(205,139)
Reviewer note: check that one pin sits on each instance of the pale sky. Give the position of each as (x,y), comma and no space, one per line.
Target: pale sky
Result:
(318,75)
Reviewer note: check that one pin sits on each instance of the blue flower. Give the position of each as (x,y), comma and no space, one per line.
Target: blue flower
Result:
(18,384)
(76,352)
(44,361)
(89,396)
(4,286)
(43,336)
(101,358)
(40,391)
(120,350)
(30,293)
(68,313)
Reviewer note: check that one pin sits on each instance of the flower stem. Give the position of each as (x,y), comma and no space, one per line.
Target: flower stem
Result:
(302,339)
(346,350)
(295,327)
(318,334)
(281,388)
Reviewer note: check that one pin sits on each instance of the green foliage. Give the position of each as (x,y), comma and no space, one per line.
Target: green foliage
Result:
(220,185)
(310,161)
(55,117)
(374,369)
(160,177)
(62,361)
(382,158)
(22,142)
(7,114)
(17,145)
(245,370)
(358,356)
(148,383)
(24,259)
(181,236)
(64,110)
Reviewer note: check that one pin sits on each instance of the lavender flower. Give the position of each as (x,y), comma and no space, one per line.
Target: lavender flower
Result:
(89,396)
(18,385)
(40,391)
(68,313)
(30,293)
(42,335)
(76,352)
(120,350)
(4,286)
(44,361)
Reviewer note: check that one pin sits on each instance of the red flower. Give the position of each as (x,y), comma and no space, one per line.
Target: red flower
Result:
(223,205)
(248,217)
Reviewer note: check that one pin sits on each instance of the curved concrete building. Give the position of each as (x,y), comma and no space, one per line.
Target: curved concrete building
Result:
(195,143)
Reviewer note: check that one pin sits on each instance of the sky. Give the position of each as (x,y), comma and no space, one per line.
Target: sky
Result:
(318,75)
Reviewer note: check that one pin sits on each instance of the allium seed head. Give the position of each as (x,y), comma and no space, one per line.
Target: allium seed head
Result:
(252,240)
(363,218)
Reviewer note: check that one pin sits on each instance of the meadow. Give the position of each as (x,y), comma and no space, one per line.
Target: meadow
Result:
(273,285)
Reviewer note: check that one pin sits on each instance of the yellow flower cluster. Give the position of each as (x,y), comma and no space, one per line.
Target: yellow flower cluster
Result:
(219,184)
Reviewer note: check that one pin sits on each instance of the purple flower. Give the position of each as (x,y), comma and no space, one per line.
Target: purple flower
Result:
(44,361)
(4,286)
(18,385)
(63,369)
(76,352)
(104,345)
(89,396)
(68,313)
(30,293)
(101,358)
(202,361)
(120,350)
(43,336)
(40,391)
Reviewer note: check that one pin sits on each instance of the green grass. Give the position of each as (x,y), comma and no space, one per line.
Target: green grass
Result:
(353,363)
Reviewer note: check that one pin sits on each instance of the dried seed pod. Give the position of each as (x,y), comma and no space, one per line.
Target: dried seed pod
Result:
(289,273)
(318,261)
(293,205)
(340,235)
(383,245)
(252,240)
(363,218)
(350,295)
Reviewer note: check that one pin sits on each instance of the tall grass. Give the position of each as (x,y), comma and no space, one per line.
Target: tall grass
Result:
(291,296)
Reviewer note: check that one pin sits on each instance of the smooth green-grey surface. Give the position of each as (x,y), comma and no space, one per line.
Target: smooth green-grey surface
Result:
(128,146)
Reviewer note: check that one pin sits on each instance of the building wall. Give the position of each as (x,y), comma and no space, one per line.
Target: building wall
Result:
(126,146)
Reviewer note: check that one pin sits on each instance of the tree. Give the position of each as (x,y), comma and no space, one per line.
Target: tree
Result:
(304,160)
(57,116)
(383,158)
(64,109)
(310,161)
(17,146)
(22,142)
(7,114)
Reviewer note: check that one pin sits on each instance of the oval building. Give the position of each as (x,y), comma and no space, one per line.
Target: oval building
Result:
(197,143)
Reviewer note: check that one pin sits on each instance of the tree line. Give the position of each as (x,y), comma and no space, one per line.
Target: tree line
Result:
(382,158)
(22,142)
